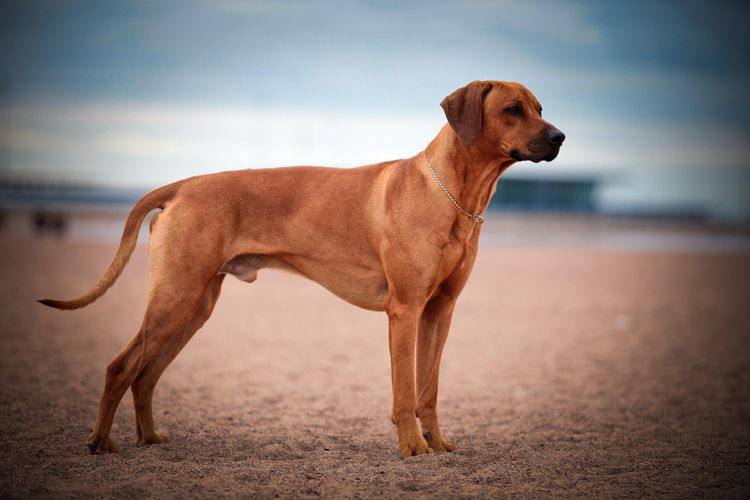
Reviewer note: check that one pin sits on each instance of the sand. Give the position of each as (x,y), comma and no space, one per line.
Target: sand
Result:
(569,372)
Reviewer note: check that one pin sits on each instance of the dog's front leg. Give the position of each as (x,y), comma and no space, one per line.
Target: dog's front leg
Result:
(403,321)
(433,331)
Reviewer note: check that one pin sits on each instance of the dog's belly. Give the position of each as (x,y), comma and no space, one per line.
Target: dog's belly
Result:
(362,286)
(368,290)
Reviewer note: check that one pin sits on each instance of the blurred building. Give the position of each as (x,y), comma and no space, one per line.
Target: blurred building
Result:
(569,195)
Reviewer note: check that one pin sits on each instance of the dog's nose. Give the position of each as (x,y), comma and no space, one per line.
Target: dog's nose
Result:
(555,136)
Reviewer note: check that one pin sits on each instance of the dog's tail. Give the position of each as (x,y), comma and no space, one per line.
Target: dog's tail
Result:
(154,199)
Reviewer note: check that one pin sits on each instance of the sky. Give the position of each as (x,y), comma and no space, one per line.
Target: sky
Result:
(651,94)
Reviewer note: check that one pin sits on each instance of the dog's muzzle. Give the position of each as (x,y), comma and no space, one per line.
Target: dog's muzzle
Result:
(544,148)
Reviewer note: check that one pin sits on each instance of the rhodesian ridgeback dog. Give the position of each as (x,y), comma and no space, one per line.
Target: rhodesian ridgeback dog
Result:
(399,236)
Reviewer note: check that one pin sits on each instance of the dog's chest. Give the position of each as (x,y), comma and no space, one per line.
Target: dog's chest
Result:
(455,263)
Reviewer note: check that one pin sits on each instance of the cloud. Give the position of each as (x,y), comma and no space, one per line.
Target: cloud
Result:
(139,145)
(125,143)
(597,142)
(566,22)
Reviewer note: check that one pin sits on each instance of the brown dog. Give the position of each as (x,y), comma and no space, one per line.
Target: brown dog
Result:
(399,237)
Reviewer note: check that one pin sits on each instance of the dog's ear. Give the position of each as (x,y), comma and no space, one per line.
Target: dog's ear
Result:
(463,108)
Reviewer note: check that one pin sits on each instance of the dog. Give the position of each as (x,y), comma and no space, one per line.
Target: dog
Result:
(399,236)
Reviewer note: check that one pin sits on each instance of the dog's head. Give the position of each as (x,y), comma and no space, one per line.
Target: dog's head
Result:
(502,119)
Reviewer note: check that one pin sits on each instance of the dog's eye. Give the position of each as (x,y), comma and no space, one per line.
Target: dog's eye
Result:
(514,110)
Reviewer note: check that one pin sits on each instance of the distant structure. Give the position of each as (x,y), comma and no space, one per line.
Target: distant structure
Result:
(565,195)
(36,194)
(546,195)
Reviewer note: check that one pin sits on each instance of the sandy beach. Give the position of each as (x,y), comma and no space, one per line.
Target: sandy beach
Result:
(570,371)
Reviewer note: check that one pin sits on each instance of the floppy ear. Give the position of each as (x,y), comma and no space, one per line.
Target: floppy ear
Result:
(463,108)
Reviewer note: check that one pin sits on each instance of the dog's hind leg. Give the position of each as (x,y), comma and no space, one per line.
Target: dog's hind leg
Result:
(164,320)
(122,369)
(182,268)
(145,382)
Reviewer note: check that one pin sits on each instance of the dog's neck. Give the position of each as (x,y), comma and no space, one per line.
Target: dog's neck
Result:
(469,173)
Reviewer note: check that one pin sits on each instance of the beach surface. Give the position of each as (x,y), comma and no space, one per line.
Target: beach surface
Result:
(571,370)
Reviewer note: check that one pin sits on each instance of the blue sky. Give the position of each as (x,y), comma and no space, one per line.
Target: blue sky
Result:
(650,94)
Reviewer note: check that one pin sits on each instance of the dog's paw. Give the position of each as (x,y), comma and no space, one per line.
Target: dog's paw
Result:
(153,438)
(411,444)
(438,444)
(98,446)
(412,450)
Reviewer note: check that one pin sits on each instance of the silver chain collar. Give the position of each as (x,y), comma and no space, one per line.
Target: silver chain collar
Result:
(475,218)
